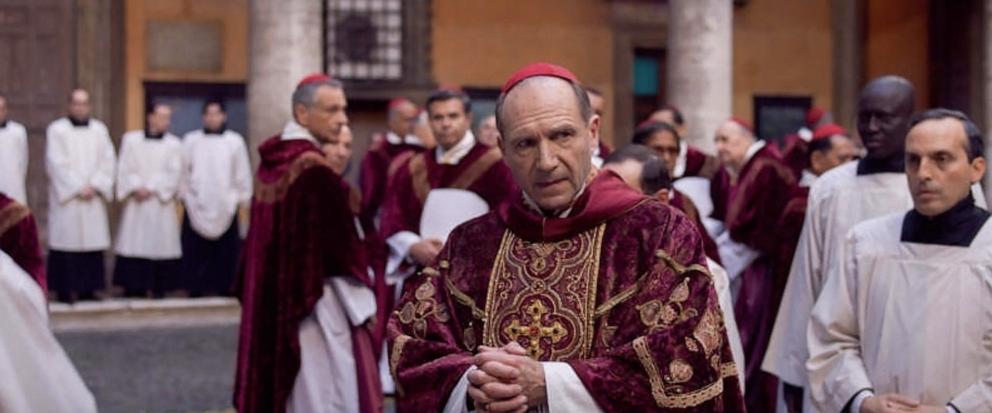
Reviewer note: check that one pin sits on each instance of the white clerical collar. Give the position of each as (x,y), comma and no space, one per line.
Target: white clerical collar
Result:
(681,160)
(807,179)
(753,149)
(294,131)
(395,139)
(454,155)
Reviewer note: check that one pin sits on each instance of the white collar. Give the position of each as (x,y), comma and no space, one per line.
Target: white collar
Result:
(293,131)
(454,155)
(395,139)
(681,160)
(753,149)
(807,179)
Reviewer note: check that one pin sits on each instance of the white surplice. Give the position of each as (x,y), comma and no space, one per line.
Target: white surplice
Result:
(838,200)
(150,228)
(216,181)
(35,373)
(903,317)
(74,158)
(14,161)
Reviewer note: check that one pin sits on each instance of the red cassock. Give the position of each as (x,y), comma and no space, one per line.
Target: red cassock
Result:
(618,290)
(19,239)
(795,154)
(682,202)
(481,171)
(789,226)
(754,205)
(377,167)
(698,163)
(302,231)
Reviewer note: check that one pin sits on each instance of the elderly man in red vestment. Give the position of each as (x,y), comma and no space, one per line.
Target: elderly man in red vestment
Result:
(306,341)
(397,143)
(19,239)
(577,294)
(755,187)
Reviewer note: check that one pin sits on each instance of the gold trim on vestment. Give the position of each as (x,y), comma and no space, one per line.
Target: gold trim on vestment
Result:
(678,267)
(397,162)
(418,177)
(679,401)
(631,290)
(394,360)
(272,192)
(479,167)
(11,214)
(544,293)
(464,299)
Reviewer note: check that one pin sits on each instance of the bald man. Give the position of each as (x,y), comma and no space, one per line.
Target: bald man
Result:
(399,142)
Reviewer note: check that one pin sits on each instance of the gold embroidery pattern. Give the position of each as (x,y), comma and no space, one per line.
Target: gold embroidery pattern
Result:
(678,267)
(680,401)
(679,372)
(665,258)
(11,214)
(656,315)
(415,313)
(543,295)
(468,337)
(464,299)
(708,332)
(274,191)
(394,360)
(728,369)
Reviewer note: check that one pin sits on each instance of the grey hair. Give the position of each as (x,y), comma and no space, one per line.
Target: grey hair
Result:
(585,107)
(304,94)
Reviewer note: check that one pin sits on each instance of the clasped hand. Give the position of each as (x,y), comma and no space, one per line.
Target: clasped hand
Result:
(506,380)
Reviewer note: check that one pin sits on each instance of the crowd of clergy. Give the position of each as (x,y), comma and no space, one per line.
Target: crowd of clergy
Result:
(528,266)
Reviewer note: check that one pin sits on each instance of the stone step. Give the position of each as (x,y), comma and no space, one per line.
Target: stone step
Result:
(128,313)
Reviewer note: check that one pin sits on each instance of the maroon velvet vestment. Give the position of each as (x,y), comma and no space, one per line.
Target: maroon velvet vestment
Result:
(618,290)
(698,163)
(375,171)
(481,171)
(795,154)
(789,227)
(682,202)
(302,231)
(19,239)
(755,204)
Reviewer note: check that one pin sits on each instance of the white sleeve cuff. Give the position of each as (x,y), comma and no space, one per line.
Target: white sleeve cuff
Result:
(859,399)
(399,249)
(566,392)
(357,299)
(457,400)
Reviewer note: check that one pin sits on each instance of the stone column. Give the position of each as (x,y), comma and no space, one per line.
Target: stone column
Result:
(848,33)
(700,65)
(285,45)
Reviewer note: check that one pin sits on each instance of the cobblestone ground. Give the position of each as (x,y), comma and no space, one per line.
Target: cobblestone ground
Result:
(185,370)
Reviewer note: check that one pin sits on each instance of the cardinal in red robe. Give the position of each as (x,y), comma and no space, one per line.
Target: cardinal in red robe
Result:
(387,151)
(756,186)
(19,239)
(303,246)
(577,275)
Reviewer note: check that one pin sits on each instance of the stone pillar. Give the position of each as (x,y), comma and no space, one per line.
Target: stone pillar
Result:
(285,45)
(848,34)
(700,64)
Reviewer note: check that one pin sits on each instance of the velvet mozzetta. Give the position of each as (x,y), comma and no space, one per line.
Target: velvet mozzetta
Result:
(618,290)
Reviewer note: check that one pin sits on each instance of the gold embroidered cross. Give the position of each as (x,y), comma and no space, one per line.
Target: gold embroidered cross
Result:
(535,330)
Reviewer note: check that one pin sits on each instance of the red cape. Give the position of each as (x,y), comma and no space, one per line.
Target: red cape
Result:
(19,239)
(302,231)
(375,172)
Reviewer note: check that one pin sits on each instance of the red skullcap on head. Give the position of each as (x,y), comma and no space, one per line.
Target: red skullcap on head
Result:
(742,123)
(399,100)
(814,115)
(828,130)
(316,77)
(538,69)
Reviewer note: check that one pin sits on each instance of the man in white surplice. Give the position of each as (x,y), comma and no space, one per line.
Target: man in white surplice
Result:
(148,175)
(846,195)
(902,324)
(80,161)
(217,181)
(13,156)
(35,373)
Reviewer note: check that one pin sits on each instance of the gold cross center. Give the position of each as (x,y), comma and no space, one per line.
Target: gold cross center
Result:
(535,330)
